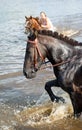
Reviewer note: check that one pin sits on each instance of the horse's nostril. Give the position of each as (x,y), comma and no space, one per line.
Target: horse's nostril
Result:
(36,69)
(24,72)
(33,71)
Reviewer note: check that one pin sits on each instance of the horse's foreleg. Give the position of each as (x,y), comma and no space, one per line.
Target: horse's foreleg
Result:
(76,107)
(48,86)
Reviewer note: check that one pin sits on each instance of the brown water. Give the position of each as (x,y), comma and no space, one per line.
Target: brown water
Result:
(24,104)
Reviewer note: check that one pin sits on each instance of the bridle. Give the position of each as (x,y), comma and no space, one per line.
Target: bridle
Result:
(36,48)
(35,43)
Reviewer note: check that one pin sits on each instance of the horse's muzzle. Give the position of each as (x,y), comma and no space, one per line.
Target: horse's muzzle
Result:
(29,75)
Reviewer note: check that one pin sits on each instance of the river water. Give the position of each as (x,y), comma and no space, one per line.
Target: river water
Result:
(24,104)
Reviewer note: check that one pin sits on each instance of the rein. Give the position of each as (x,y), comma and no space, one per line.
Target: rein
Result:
(35,43)
(58,64)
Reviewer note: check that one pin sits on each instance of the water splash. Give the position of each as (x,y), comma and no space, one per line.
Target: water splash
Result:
(45,112)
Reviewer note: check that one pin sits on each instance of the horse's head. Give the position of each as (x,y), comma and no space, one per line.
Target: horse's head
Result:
(32,23)
(34,56)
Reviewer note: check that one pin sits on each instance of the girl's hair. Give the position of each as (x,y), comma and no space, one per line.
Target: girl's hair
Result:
(42,12)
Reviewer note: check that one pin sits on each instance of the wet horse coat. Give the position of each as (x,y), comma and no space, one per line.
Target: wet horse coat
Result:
(56,48)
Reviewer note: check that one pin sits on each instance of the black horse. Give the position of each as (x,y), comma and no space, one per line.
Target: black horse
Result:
(65,56)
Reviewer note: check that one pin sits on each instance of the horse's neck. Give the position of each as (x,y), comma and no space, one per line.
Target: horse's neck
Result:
(57,51)
(61,53)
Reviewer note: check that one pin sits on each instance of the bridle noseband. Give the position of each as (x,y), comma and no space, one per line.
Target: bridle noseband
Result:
(36,48)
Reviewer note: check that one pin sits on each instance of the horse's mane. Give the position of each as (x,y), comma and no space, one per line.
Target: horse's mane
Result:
(37,19)
(60,37)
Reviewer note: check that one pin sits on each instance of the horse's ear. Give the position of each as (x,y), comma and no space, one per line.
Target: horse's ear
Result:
(37,18)
(30,17)
(26,17)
